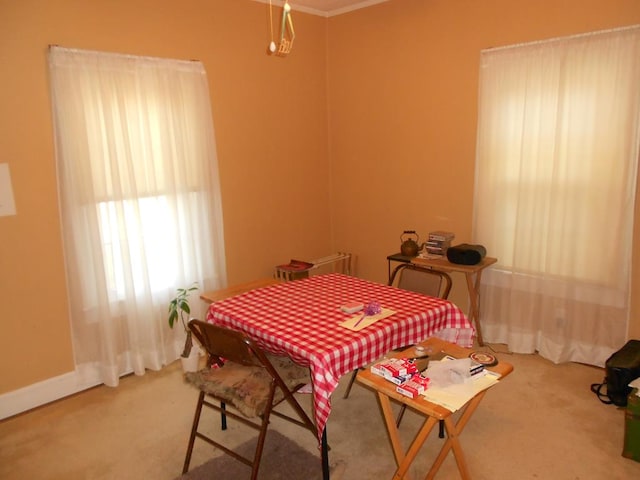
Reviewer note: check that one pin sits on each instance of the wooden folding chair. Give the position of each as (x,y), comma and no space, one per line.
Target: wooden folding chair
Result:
(422,280)
(240,375)
(429,282)
(416,279)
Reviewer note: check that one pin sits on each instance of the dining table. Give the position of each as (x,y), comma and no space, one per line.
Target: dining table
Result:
(305,320)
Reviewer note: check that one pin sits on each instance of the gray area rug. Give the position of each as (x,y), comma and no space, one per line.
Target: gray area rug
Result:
(282,459)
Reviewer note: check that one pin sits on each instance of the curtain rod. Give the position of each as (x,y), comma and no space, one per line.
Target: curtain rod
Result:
(556,39)
(124,55)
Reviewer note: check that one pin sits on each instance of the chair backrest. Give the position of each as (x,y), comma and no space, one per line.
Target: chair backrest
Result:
(422,280)
(224,343)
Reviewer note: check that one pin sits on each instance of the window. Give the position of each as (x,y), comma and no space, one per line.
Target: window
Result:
(556,165)
(140,200)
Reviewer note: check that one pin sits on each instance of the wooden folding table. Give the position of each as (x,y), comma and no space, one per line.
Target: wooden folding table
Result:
(433,412)
(303,320)
(472,274)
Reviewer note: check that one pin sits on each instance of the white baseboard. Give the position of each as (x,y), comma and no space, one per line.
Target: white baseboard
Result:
(41,393)
(84,376)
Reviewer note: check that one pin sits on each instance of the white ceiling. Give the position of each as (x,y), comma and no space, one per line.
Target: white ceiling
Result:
(325,8)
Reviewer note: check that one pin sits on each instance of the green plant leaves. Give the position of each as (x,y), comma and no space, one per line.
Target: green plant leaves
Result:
(179,305)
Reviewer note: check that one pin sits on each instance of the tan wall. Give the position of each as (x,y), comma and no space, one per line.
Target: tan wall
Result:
(400,109)
(271,129)
(403,81)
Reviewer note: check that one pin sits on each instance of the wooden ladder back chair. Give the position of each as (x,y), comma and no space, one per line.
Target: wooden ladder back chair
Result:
(422,280)
(429,282)
(416,279)
(240,375)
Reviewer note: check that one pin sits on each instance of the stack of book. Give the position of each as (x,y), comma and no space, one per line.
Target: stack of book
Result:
(296,266)
(438,242)
(294,270)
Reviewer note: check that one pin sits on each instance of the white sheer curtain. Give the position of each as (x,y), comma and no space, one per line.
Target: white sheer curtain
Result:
(557,151)
(140,203)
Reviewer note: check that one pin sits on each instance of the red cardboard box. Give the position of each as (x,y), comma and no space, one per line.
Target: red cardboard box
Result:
(396,370)
(394,367)
(413,387)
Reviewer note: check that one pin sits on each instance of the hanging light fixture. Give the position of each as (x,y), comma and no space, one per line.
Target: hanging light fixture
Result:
(287,33)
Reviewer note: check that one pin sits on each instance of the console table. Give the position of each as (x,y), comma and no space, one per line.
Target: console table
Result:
(472,273)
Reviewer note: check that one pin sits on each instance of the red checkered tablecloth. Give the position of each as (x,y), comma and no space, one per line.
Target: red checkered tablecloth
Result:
(301,319)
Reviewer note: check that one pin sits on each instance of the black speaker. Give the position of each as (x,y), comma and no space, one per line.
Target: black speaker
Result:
(466,254)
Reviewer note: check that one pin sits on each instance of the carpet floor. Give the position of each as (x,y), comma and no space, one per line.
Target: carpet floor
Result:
(282,459)
(540,423)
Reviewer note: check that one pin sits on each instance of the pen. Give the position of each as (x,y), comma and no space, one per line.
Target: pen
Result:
(359,320)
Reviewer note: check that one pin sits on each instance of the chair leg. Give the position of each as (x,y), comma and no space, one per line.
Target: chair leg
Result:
(353,379)
(441,432)
(194,430)
(304,421)
(260,446)
(223,415)
(262,436)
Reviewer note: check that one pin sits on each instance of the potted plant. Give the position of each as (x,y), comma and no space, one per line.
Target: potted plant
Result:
(179,309)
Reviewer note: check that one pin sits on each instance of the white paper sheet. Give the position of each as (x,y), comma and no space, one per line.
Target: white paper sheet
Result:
(453,398)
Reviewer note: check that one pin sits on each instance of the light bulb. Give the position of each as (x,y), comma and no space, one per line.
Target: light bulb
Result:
(272,46)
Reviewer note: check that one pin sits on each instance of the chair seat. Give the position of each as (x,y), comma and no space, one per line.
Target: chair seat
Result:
(247,379)
(291,373)
(248,388)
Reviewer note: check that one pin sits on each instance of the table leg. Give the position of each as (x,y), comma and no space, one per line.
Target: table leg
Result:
(453,441)
(325,456)
(416,445)
(474,300)
(394,437)
(403,460)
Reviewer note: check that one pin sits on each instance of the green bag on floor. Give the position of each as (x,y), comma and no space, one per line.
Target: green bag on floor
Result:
(631,447)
